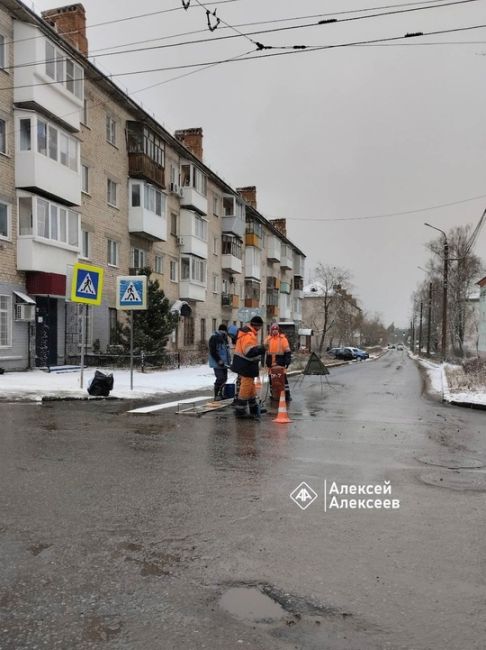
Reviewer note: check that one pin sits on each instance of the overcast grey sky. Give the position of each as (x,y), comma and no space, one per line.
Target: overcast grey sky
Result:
(328,135)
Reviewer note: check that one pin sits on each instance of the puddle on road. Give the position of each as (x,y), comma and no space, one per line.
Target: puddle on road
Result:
(451,461)
(249,604)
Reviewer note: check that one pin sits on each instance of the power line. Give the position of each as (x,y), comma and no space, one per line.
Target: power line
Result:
(259,46)
(392,214)
(313,48)
(265,22)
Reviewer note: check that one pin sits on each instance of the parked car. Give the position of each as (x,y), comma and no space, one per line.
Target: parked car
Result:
(399,347)
(346,354)
(358,353)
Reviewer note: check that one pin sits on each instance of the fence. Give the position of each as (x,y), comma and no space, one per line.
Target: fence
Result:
(144,362)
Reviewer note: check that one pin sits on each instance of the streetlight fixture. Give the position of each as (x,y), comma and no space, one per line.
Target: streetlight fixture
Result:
(444,288)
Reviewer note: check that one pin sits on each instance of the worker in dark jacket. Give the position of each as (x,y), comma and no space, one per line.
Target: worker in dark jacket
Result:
(219,359)
(246,359)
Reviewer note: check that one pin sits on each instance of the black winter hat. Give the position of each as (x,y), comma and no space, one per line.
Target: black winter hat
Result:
(223,328)
(256,320)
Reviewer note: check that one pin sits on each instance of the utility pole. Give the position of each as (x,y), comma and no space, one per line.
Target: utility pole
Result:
(420,327)
(429,319)
(444,292)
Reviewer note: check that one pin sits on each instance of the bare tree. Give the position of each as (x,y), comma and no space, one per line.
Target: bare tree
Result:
(330,286)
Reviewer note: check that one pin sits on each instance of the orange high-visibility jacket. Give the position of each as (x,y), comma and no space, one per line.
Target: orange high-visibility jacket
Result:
(278,350)
(247,353)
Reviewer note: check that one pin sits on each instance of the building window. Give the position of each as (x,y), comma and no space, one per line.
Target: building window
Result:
(111,192)
(4,221)
(84,116)
(173,223)
(188,330)
(48,220)
(215,283)
(5,321)
(55,144)
(193,177)
(215,245)
(25,135)
(3,52)
(112,256)
(154,200)
(85,179)
(62,69)
(216,205)
(84,244)
(110,130)
(193,269)
(214,324)
(3,136)
(200,228)
(173,270)
(159,264)
(135,195)
(203,329)
(138,258)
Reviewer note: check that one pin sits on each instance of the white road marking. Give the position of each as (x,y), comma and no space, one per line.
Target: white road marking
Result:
(159,407)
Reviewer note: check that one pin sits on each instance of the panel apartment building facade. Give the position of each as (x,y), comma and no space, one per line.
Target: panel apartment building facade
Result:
(88,175)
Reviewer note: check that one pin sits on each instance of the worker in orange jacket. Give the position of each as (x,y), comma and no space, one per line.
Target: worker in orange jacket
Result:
(278,354)
(246,358)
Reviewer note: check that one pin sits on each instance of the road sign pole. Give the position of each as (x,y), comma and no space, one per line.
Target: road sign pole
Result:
(131,350)
(84,309)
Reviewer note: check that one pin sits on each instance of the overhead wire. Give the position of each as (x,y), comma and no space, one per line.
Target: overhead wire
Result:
(258,45)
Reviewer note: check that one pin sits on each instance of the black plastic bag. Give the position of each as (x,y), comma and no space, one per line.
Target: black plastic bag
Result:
(101,384)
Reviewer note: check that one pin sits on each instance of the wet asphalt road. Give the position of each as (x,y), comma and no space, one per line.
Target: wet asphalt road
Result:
(125,531)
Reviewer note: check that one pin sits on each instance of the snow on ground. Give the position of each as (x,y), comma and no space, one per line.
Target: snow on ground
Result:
(439,384)
(36,384)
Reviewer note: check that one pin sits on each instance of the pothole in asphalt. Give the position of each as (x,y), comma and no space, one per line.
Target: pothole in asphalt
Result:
(249,604)
(455,480)
(451,461)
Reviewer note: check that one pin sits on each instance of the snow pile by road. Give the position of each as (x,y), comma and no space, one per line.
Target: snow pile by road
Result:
(438,380)
(37,384)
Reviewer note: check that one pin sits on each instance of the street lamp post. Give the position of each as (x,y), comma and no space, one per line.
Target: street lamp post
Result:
(444,289)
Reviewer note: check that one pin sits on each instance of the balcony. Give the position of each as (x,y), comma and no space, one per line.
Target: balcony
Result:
(273,249)
(252,239)
(231,300)
(273,282)
(191,291)
(299,263)
(192,200)
(146,211)
(231,263)
(50,84)
(273,297)
(286,260)
(272,311)
(193,234)
(142,166)
(252,302)
(234,225)
(285,287)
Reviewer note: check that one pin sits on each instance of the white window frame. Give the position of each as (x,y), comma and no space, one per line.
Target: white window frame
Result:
(139,258)
(173,270)
(85,244)
(55,68)
(111,129)
(58,143)
(51,222)
(3,51)
(200,228)
(113,253)
(8,211)
(215,244)
(85,179)
(159,264)
(110,183)
(6,319)
(215,283)
(3,137)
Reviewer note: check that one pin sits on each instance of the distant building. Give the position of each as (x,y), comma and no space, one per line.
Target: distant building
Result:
(482,318)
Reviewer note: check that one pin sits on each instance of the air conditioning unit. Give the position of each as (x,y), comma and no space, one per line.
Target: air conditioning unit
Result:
(173,187)
(180,241)
(181,192)
(25,311)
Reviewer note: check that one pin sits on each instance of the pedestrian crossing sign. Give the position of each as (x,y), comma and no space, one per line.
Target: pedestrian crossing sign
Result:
(131,292)
(87,284)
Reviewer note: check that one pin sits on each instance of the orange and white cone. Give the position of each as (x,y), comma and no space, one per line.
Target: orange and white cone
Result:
(282,416)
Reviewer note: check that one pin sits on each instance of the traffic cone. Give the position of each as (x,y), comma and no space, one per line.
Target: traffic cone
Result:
(282,417)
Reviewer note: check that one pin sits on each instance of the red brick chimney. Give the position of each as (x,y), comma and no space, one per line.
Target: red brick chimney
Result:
(248,194)
(280,225)
(192,139)
(70,23)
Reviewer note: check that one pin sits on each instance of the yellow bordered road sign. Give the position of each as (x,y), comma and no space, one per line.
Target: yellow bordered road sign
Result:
(87,284)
